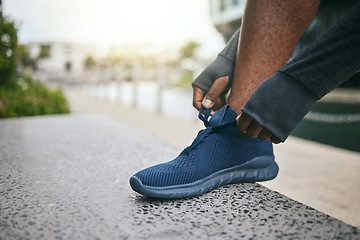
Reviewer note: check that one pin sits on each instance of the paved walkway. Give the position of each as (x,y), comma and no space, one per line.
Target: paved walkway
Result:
(317,175)
(67,177)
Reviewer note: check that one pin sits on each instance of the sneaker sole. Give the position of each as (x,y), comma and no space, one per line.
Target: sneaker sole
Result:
(259,169)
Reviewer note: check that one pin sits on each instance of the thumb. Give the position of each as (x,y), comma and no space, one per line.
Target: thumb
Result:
(216,89)
(207,102)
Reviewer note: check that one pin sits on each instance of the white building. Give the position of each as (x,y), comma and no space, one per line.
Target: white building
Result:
(57,60)
(226,15)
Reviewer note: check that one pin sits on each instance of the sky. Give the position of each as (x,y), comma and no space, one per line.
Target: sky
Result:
(107,23)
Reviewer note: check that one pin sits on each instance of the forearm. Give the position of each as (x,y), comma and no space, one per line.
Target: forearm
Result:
(269,33)
(331,59)
(284,99)
(222,66)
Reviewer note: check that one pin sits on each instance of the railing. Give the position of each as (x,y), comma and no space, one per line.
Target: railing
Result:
(129,83)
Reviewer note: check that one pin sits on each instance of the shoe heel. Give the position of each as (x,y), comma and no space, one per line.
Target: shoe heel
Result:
(257,170)
(267,173)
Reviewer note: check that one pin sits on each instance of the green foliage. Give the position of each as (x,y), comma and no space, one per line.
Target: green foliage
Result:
(44,51)
(23,56)
(185,80)
(23,96)
(89,62)
(188,50)
(8,46)
(29,98)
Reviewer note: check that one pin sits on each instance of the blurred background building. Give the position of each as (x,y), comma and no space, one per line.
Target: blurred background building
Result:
(226,15)
(57,60)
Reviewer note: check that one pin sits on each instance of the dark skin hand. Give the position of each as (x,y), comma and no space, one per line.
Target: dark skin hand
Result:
(215,99)
(248,125)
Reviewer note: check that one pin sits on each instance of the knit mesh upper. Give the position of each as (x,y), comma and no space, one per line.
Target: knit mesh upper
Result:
(176,172)
(218,147)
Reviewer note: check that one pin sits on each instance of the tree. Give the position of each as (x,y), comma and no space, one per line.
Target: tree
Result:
(26,97)
(44,52)
(8,46)
(188,50)
(89,62)
(23,57)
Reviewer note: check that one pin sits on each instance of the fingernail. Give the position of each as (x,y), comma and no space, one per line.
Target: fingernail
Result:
(207,103)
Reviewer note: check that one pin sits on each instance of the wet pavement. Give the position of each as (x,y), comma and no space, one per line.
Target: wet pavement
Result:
(66,177)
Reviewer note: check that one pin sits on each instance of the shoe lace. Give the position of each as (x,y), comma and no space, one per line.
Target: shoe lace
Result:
(209,130)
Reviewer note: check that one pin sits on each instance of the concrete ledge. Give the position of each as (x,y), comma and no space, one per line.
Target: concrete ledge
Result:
(67,177)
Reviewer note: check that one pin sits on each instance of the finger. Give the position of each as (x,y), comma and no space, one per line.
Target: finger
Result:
(243,122)
(275,140)
(198,96)
(265,135)
(216,89)
(254,129)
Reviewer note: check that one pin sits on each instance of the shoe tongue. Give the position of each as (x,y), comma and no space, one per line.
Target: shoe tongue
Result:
(223,116)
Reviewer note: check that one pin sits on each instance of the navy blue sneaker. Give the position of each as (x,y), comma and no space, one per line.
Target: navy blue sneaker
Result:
(219,155)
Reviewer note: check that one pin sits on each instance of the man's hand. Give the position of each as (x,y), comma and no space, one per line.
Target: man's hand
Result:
(214,99)
(248,125)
